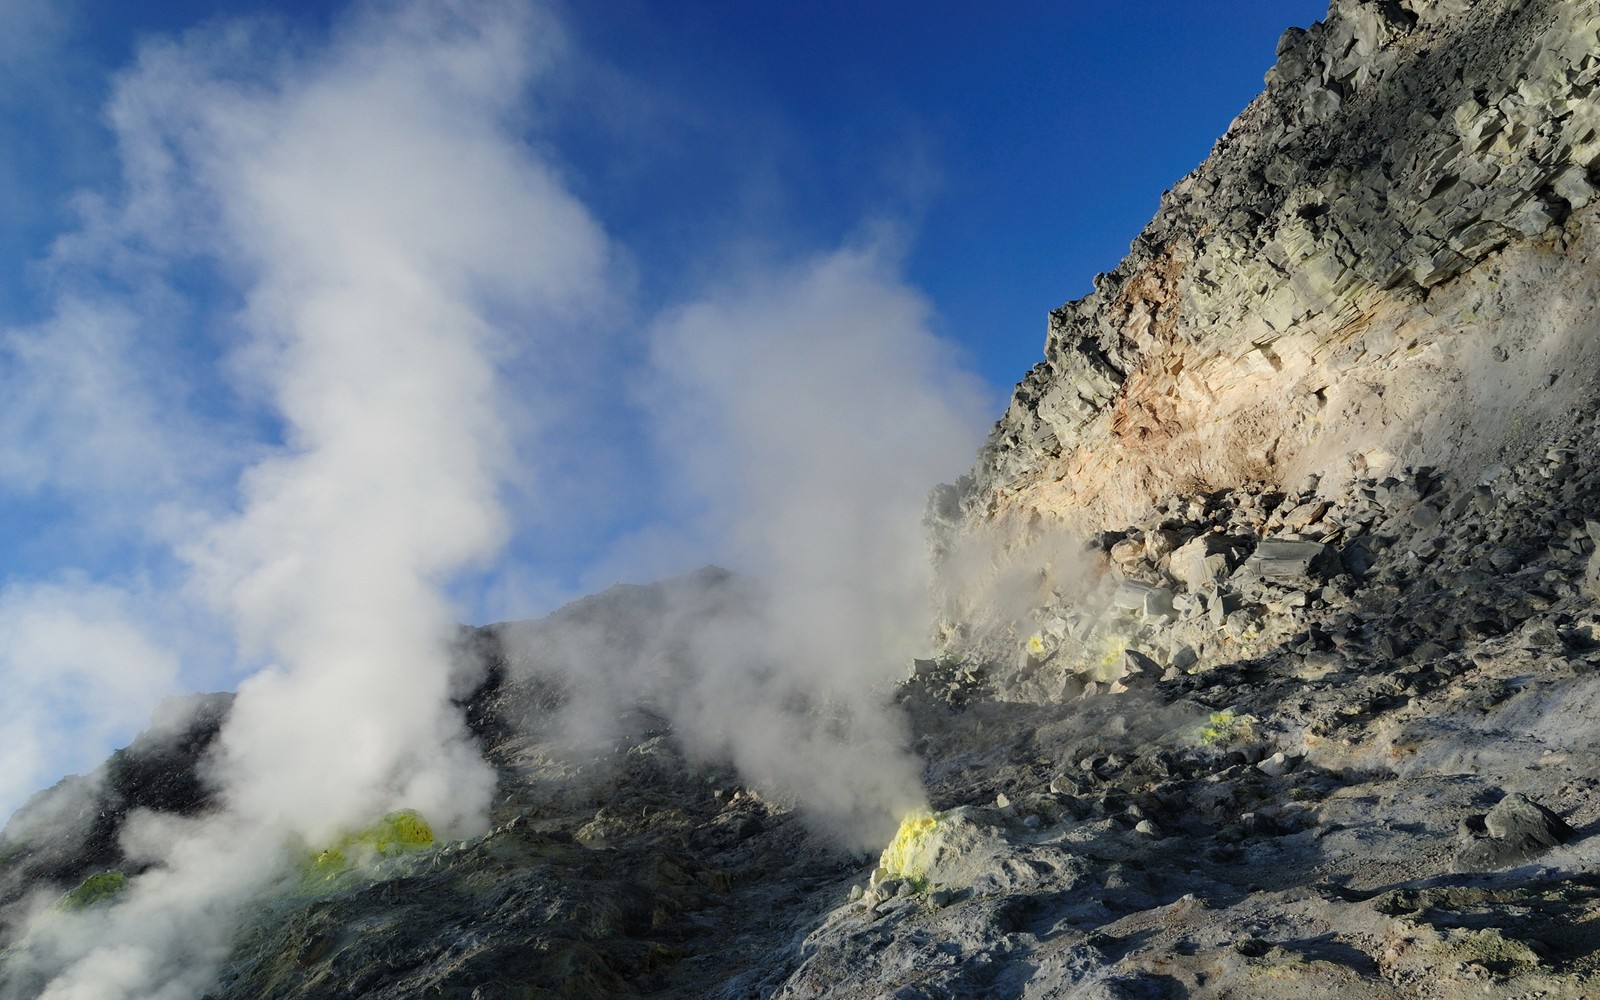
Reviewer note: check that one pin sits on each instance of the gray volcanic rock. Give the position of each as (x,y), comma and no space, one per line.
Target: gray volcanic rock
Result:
(1518,829)
(1277,558)
(1516,818)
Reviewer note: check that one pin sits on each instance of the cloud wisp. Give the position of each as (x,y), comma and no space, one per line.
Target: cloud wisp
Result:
(82,650)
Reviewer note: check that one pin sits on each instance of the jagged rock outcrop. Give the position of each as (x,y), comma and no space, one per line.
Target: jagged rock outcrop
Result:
(1390,249)
(72,830)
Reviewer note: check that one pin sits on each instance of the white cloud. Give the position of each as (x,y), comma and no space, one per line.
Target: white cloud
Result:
(81,660)
(80,413)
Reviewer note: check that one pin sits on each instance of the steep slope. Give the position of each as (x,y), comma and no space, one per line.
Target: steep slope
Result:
(1278,570)
(1388,251)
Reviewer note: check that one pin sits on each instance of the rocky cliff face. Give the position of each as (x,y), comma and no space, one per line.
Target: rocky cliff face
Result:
(1271,660)
(1389,251)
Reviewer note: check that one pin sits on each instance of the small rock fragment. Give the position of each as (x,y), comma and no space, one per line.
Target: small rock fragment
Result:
(1278,765)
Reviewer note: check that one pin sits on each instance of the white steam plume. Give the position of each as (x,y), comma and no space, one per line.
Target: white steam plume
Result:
(396,240)
(816,410)
(378,204)
(808,410)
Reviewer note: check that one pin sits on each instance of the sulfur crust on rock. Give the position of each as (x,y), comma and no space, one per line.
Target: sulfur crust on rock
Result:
(94,889)
(398,833)
(909,854)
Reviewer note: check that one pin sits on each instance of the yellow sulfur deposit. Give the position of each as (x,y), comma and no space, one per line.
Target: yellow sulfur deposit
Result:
(94,889)
(1225,727)
(395,834)
(1106,664)
(907,855)
(399,832)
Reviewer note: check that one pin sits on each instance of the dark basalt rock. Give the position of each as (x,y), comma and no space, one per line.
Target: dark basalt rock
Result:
(71,830)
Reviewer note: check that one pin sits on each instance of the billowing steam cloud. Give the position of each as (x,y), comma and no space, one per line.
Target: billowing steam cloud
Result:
(806,409)
(382,211)
(394,240)
(813,408)
(396,246)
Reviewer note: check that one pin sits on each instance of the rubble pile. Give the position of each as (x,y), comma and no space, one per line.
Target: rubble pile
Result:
(1289,741)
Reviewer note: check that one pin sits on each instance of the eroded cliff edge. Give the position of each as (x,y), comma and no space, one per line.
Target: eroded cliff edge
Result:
(1390,251)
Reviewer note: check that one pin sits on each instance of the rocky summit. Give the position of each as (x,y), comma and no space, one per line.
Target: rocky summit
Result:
(1268,653)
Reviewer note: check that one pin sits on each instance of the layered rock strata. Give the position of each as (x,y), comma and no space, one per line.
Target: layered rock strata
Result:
(1391,250)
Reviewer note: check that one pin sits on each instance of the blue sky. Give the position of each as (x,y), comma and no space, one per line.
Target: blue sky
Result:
(1022,150)
(710,168)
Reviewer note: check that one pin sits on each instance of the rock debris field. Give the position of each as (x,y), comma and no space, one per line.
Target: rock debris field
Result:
(1289,744)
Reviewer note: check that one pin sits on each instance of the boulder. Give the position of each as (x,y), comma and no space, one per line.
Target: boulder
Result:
(1199,562)
(1519,818)
(1277,559)
(1518,829)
